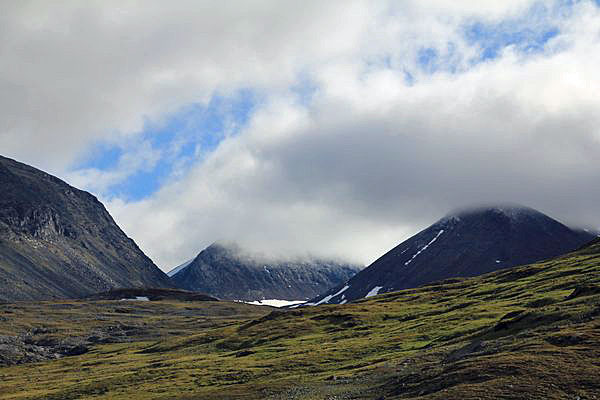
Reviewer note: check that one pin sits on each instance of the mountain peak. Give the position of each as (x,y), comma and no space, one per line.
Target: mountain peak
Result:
(229,271)
(509,213)
(510,210)
(467,242)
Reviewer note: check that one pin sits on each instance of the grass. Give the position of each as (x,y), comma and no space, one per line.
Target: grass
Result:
(517,333)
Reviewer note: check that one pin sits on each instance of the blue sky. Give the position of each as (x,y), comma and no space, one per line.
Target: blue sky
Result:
(186,137)
(527,33)
(178,141)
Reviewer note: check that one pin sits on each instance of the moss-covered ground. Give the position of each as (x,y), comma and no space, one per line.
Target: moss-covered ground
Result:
(531,332)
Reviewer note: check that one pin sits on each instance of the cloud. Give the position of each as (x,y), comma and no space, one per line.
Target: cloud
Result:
(135,168)
(375,119)
(74,74)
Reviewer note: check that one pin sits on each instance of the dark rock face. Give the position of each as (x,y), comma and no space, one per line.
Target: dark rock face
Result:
(60,242)
(467,243)
(226,272)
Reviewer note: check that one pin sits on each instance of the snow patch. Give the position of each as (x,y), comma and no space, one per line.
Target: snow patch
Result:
(331,296)
(498,261)
(137,298)
(374,291)
(276,302)
(424,247)
(343,301)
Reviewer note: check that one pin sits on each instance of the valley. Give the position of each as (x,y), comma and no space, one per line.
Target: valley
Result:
(532,330)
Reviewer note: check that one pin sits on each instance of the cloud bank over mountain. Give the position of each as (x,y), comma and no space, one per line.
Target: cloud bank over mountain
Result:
(335,128)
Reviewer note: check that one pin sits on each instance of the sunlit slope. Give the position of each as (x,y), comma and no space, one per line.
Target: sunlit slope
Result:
(528,332)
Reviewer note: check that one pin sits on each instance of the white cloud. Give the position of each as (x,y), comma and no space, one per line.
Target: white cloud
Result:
(72,73)
(140,156)
(368,161)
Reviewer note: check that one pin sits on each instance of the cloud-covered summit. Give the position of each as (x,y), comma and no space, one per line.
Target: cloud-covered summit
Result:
(367,120)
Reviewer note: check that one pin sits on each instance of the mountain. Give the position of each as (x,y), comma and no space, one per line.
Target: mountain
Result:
(60,242)
(179,267)
(467,243)
(228,272)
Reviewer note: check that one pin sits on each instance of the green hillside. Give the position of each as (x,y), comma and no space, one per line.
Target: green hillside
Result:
(528,332)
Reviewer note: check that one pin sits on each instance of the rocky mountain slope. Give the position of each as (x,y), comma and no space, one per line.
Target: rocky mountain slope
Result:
(228,272)
(60,242)
(467,243)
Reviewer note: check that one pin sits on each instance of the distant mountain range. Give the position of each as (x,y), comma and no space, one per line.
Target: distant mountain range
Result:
(466,243)
(226,271)
(60,242)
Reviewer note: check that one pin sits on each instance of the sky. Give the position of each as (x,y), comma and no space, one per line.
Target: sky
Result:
(334,129)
